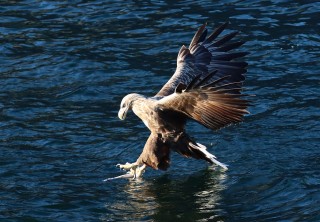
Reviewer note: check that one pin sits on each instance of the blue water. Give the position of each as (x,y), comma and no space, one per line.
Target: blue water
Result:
(64,68)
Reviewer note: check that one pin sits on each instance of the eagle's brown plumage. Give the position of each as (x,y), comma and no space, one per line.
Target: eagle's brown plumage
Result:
(206,87)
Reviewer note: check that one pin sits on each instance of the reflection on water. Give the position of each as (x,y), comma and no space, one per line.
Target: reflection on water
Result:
(167,198)
(65,66)
(139,202)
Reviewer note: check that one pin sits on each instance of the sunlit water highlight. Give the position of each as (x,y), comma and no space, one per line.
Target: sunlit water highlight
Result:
(65,67)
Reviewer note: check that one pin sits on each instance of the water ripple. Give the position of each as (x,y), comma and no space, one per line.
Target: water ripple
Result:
(65,67)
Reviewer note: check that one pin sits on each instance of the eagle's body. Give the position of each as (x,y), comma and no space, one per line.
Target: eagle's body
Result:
(206,87)
(167,133)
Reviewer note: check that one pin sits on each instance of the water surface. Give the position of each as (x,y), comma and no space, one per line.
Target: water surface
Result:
(65,67)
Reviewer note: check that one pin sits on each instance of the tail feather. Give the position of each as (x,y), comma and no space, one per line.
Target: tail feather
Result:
(208,155)
(187,147)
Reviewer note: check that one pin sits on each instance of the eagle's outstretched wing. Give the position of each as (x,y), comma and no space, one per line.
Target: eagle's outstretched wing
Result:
(204,55)
(211,104)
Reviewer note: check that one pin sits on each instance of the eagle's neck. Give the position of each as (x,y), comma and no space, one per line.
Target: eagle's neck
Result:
(143,107)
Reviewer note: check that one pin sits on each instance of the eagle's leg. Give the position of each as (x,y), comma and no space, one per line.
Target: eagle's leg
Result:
(134,169)
(139,171)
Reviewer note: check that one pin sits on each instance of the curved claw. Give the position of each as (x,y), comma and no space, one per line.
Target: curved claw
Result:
(140,170)
(135,171)
(119,165)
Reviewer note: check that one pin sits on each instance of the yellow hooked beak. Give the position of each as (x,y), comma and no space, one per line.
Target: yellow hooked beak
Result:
(122,113)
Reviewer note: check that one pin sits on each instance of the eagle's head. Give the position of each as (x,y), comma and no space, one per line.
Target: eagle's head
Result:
(126,104)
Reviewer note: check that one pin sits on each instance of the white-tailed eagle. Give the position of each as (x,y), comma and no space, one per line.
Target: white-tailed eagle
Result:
(206,87)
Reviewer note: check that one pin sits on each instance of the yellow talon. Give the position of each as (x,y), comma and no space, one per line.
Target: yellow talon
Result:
(135,170)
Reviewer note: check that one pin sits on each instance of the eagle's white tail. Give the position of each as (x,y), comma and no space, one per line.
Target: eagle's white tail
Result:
(210,156)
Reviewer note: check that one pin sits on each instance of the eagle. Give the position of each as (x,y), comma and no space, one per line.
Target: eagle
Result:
(206,87)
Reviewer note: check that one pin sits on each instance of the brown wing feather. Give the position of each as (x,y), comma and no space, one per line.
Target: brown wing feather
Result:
(213,107)
(205,55)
